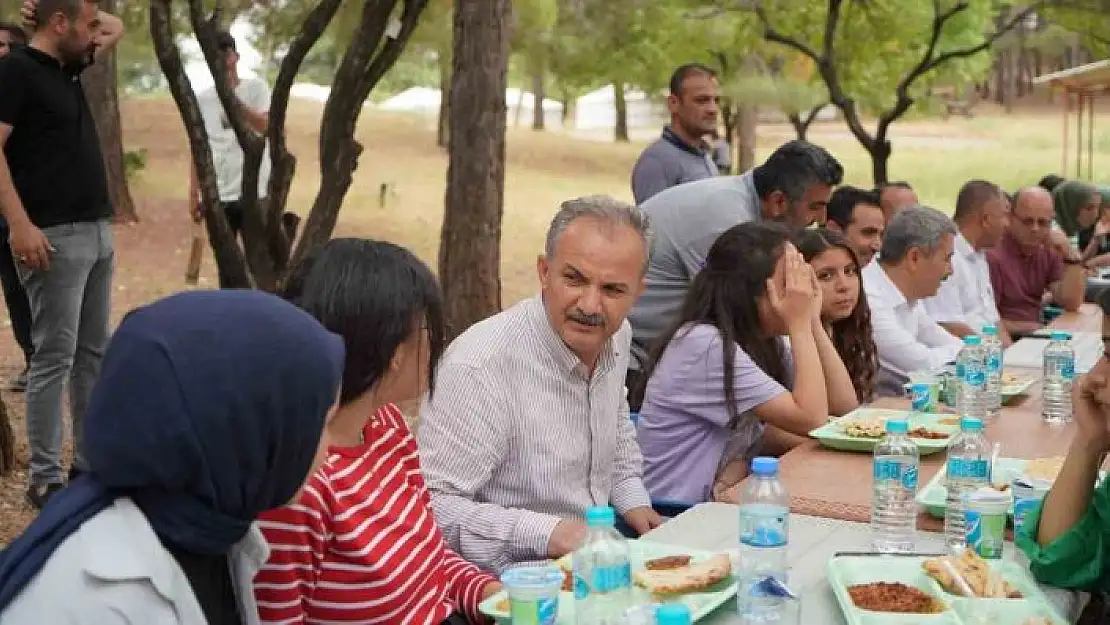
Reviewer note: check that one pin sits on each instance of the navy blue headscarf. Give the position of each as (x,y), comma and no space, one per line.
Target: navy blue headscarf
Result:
(209,410)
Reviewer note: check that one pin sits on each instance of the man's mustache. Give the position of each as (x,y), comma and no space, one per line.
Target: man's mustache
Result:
(594,320)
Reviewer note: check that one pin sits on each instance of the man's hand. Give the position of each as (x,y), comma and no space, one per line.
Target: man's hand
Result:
(643,519)
(30,246)
(1091,402)
(567,537)
(28,13)
(490,590)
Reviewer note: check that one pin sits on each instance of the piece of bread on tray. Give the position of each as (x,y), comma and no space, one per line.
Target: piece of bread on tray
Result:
(692,578)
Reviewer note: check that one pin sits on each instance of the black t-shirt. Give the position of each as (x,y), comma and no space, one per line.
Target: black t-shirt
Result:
(1083,238)
(53,151)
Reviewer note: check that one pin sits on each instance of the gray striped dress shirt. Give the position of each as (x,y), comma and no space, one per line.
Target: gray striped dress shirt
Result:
(517,437)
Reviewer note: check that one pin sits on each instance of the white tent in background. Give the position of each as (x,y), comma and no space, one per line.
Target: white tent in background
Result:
(420,100)
(597,110)
(425,101)
(309,91)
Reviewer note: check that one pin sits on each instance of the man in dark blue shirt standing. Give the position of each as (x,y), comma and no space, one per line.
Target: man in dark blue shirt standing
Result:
(54,197)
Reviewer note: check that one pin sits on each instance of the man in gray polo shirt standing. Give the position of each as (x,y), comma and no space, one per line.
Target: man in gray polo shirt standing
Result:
(681,154)
(793,186)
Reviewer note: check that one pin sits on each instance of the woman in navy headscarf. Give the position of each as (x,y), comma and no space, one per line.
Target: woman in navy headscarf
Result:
(210,409)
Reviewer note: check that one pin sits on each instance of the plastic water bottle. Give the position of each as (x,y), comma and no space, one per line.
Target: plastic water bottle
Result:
(968,470)
(893,510)
(992,347)
(971,370)
(764,531)
(602,573)
(1059,371)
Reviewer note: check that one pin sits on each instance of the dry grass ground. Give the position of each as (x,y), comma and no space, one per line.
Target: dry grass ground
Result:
(543,169)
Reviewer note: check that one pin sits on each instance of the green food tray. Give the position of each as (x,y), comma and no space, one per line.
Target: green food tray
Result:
(832,434)
(701,604)
(846,571)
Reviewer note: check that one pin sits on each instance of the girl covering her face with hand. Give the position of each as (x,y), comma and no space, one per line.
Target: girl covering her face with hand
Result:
(722,386)
(844,311)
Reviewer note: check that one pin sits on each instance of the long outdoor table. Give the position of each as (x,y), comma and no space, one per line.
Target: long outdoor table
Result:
(813,540)
(837,484)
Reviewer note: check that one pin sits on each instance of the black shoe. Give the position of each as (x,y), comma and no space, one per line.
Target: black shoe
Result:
(39,495)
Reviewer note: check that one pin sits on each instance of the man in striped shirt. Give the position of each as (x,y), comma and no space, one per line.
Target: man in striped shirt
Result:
(528,425)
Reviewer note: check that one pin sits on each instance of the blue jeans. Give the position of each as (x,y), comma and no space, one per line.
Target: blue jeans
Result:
(70,308)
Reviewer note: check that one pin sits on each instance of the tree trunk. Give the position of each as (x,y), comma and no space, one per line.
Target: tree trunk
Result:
(99,83)
(747,117)
(470,243)
(620,128)
(539,94)
(443,127)
(879,151)
(7,441)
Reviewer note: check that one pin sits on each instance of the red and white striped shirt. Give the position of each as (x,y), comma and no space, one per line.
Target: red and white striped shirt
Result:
(361,544)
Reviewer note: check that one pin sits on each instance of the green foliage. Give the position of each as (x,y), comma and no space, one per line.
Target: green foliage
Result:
(134,161)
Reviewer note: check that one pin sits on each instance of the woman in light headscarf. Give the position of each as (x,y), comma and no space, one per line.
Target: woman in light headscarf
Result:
(210,409)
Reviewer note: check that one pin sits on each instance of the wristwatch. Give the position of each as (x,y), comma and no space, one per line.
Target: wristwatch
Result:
(1073,261)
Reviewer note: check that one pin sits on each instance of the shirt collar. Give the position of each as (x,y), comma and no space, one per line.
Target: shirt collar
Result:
(963,246)
(671,137)
(565,359)
(882,285)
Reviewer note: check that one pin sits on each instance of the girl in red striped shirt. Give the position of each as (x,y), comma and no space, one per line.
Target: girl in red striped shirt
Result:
(361,544)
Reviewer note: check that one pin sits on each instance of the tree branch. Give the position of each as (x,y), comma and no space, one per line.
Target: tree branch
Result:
(770,33)
(227,253)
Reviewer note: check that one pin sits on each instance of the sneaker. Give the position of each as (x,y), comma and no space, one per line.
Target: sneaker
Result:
(19,384)
(39,495)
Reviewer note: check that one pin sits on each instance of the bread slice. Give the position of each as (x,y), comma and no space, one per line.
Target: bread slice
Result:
(693,578)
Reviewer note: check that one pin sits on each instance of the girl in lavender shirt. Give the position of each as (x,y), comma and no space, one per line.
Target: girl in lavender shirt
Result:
(722,386)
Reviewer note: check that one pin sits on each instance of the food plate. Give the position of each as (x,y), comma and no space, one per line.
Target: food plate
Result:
(701,604)
(1014,384)
(933,496)
(834,434)
(845,572)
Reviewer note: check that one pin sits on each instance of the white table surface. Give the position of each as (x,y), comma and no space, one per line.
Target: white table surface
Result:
(813,540)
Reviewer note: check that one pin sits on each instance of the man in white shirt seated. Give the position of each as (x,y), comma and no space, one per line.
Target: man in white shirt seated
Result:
(528,425)
(916,256)
(965,302)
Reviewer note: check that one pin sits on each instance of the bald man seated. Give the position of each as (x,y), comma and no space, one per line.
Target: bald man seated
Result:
(1025,266)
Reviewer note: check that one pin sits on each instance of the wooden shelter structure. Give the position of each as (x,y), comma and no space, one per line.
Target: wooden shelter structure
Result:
(1080,85)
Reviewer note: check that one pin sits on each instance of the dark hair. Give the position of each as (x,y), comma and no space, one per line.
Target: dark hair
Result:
(15,33)
(842,204)
(374,294)
(682,72)
(723,294)
(224,41)
(851,335)
(973,195)
(1050,182)
(795,167)
(47,8)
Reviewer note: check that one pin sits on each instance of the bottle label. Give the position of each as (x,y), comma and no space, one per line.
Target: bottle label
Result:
(968,469)
(1067,368)
(890,470)
(534,611)
(974,374)
(994,363)
(921,397)
(986,533)
(605,579)
(763,525)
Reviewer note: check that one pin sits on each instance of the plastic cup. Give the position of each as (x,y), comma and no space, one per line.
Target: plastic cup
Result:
(533,594)
(639,615)
(1028,494)
(985,514)
(924,391)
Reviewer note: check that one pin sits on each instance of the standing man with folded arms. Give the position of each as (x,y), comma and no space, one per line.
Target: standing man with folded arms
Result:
(54,197)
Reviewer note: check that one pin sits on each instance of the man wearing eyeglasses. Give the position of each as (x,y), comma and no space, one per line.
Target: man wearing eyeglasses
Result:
(1025,266)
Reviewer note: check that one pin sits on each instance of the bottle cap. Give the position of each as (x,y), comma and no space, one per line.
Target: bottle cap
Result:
(673,614)
(990,329)
(971,424)
(1060,335)
(897,426)
(972,339)
(600,516)
(765,466)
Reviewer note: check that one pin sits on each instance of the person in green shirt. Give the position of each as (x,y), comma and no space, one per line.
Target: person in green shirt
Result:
(1068,538)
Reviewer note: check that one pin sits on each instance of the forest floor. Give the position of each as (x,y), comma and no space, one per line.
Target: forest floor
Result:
(543,169)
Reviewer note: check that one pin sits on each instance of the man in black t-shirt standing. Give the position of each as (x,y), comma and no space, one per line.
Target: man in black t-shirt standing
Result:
(54,197)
